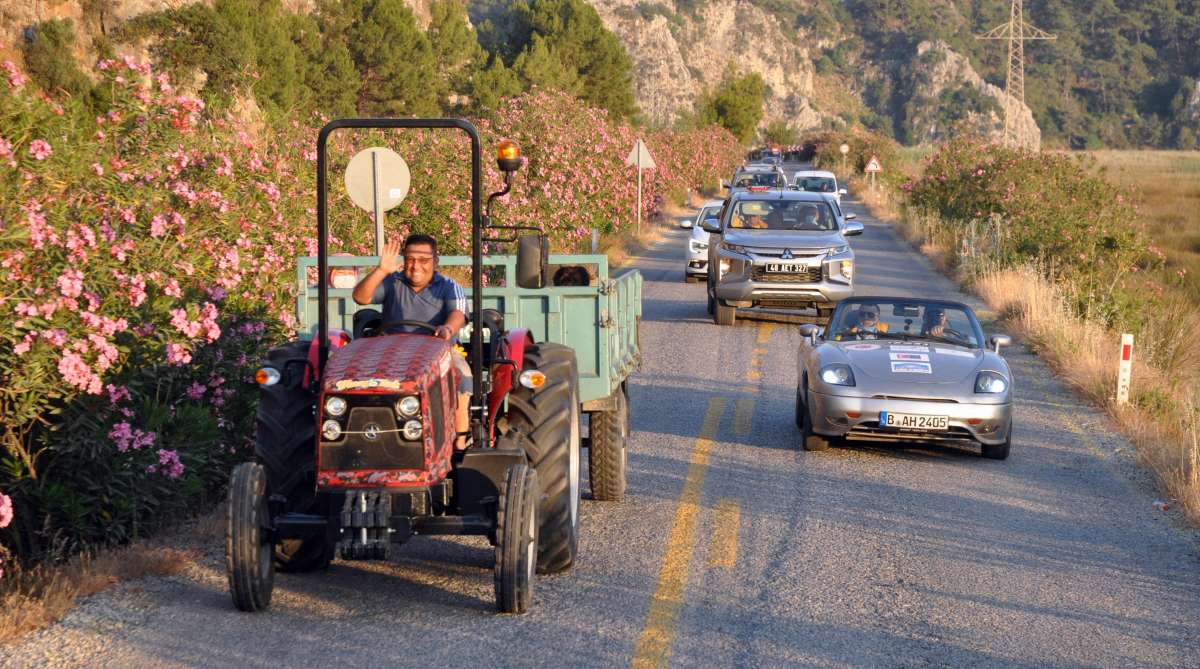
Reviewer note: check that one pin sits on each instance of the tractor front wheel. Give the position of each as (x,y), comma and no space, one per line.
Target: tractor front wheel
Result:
(516,539)
(248,546)
(548,417)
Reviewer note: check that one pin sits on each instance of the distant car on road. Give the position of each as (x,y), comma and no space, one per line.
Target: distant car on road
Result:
(903,369)
(780,249)
(696,254)
(757,177)
(818,181)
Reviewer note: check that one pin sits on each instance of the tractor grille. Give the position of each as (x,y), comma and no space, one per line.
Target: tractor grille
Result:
(387,450)
(808,275)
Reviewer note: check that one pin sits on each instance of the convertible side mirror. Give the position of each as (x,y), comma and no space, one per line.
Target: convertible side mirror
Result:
(852,229)
(533,256)
(811,331)
(998,340)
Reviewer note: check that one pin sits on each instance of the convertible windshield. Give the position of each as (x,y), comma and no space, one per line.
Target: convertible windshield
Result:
(815,184)
(772,179)
(783,215)
(859,320)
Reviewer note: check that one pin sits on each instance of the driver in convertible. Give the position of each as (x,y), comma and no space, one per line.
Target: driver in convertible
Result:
(420,293)
(935,322)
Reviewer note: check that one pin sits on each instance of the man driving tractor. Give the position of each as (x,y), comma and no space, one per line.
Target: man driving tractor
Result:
(420,293)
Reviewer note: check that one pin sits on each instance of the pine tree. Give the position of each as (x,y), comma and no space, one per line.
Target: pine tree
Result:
(394,58)
(456,51)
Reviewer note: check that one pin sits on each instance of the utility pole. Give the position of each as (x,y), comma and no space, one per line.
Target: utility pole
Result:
(1016,31)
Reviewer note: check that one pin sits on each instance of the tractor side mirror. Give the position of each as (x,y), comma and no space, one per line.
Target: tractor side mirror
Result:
(533,256)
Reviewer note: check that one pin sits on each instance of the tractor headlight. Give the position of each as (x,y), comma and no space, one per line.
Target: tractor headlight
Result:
(335,406)
(331,430)
(837,374)
(990,383)
(412,430)
(408,406)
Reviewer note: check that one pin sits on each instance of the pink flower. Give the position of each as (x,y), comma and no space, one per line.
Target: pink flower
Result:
(78,373)
(70,283)
(6,510)
(16,78)
(5,148)
(178,354)
(158,226)
(196,390)
(117,394)
(170,464)
(98,169)
(40,149)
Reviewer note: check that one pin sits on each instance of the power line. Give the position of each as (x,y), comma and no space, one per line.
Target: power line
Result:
(1016,31)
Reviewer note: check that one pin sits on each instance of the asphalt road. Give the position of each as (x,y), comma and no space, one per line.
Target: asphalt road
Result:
(736,548)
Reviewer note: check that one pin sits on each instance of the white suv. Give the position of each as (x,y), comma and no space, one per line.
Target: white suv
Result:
(818,181)
(696,254)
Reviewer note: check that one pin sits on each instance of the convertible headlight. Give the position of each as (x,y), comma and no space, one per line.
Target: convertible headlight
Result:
(408,406)
(697,246)
(734,248)
(412,430)
(335,406)
(991,383)
(837,374)
(331,430)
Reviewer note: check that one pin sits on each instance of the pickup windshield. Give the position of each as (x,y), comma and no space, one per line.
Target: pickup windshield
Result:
(783,215)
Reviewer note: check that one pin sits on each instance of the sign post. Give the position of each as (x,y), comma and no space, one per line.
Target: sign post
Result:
(844,149)
(640,157)
(1125,369)
(873,167)
(377,179)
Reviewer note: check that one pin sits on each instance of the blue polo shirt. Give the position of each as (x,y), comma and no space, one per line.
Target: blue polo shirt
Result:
(432,305)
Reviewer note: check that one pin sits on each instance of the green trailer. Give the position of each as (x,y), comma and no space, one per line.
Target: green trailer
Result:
(600,321)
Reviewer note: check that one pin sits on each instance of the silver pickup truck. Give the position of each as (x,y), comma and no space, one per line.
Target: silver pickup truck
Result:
(779,249)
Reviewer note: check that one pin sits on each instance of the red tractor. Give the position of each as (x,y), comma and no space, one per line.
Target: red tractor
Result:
(355,444)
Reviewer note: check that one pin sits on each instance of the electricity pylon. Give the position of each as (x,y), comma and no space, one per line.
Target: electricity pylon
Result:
(1016,31)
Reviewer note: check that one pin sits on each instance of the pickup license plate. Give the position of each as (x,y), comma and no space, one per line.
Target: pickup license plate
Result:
(786,268)
(911,421)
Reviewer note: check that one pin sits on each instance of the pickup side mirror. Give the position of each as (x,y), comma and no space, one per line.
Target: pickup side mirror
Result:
(711,225)
(841,191)
(725,185)
(685,223)
(852,229)
(533,256)
(998,340)
(851,217)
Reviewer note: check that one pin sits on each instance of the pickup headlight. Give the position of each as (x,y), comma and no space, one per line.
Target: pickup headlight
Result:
(847,269)
(697,246)
(837,250)
(837,374)
(734,248)
(990,383)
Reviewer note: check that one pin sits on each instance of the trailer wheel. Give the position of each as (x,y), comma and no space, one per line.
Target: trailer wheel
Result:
(516,539)
(285,444)
(549,418)
(248,548)
(607,453)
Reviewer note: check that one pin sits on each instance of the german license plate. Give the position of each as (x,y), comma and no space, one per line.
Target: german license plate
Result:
(912,421)
(786,268)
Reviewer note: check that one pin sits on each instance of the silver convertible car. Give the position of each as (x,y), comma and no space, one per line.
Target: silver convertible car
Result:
(903,369)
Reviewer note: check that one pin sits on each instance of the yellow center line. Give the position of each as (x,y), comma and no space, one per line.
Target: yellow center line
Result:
(654,645)
(764,332)
(743,416)
(760,351)
(722,552)
(753,375)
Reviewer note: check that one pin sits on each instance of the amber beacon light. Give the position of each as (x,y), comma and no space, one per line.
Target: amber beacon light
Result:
(508,156)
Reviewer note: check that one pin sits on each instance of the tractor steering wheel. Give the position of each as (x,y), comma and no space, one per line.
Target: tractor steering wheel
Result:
(383,329)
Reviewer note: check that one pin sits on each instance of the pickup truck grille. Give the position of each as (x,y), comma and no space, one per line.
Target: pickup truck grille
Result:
(808,275)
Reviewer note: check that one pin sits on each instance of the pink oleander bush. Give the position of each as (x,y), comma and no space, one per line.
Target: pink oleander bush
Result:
(147,261)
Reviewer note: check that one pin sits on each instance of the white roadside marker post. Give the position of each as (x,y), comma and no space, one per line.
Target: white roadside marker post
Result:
(1125,369)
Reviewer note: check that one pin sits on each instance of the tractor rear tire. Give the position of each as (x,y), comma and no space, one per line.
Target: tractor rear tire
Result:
(516,539)
(248,548)
(549,419)
(285,444)
(607,454)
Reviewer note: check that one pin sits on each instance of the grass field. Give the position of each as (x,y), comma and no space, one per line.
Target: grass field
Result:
(1169,184)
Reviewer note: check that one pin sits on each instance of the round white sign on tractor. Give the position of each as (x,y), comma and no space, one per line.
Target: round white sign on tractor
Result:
(377,172)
